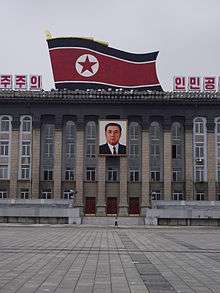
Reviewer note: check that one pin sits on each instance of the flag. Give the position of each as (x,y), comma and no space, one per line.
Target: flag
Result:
(79,63)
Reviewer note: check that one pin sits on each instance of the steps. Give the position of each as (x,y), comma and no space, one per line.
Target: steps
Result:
(110,221)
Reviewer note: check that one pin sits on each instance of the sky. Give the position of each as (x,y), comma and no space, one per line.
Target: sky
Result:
(185,32)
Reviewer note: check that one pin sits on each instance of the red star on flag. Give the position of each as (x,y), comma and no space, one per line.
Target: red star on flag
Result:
(87,65)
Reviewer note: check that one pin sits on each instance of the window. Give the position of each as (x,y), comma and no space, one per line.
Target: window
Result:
(48,175)
(176,131)
(49,131)
(90,174)
(70,130)
(177,196)
(176,175)
(134,175)
(67,194)
(155,175)
(3,171)
(155,130)
(69,174)
(176,151)
(199,151)
(154,149)
(26,124)
(112,174)
(133,131)
(200,196)
(3,194)
(70,150)
(199,173)
(4,124)
(26,148)
(133,150)
(218,174)
(155,195)
(24,194)
(46,194)
(91,130)
(4,148)
(199,126)
(218,196)
(90,150)
(25,171)
(48,149)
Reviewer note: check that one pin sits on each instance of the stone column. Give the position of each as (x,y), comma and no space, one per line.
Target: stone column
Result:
(101,201)
(35,174)
(211,160)
(145,170)
(79,163)
(123,201)
(189,188)
(14,158)
(57,167)
(167,164)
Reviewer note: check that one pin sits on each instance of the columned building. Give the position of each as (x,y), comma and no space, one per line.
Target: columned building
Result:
(49,145)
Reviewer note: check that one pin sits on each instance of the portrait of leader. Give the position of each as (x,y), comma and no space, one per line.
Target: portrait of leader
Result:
(113,137)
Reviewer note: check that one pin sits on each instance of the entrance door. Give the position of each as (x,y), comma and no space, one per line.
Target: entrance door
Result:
(111,207)
(90,207)
(134,206)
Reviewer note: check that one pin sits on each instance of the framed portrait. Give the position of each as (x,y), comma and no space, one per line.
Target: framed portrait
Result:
(113,137)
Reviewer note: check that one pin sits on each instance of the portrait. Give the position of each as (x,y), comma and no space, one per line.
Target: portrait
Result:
(113,137)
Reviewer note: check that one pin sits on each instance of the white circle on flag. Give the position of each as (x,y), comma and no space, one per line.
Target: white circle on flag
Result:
(87,65)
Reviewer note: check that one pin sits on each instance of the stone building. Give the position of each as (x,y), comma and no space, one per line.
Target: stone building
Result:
(49,147)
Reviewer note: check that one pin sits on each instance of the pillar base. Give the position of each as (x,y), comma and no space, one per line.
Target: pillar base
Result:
(100,211)
(143,211)
(123,211)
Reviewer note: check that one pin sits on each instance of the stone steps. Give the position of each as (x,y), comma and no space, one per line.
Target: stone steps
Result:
(108,220)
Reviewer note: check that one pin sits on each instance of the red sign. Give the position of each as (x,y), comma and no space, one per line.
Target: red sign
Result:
(5,81)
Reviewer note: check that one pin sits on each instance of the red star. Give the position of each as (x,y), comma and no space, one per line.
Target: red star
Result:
(87,65)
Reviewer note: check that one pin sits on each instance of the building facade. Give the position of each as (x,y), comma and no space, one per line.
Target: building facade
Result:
(49,146)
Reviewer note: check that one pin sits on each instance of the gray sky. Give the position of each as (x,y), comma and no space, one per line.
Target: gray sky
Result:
(186,32)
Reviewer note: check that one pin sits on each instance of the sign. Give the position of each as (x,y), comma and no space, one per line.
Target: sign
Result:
(196,84)
(21,82)
(79,63)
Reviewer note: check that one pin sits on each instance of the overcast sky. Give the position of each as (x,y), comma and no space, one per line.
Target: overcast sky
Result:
(186,32)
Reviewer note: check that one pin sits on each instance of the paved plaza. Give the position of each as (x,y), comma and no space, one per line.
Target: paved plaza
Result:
(97,259)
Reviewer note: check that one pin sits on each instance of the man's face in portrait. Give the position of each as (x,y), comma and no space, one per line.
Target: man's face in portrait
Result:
(112,134)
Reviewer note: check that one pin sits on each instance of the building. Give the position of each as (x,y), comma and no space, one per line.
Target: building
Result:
(49,147)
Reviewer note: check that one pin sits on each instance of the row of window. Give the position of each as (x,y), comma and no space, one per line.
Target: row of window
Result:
(25,126)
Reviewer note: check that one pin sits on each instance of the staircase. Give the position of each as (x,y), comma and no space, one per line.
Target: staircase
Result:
(110,221)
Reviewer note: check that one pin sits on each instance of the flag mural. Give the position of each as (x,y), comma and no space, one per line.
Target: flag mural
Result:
(79,63)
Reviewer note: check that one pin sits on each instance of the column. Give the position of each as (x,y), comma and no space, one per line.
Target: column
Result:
(145,171)
(123,201)
(167,164)
(35,174)
(101,201)
(211,160)
(57,167)
(14,164)
(188,160)
(79,163)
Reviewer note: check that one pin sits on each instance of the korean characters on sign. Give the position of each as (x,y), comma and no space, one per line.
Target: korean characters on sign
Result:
(21,82)
(196,84)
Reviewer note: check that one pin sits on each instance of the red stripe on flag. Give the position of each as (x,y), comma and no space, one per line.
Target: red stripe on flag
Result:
(111,70)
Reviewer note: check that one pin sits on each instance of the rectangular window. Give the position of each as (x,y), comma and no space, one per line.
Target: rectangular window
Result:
(25,172)
(49,131)
(134,150)
(155,175)
(46,194)
(70,150)
(134,132)
(90,150)
(48,175)
(199,174)
(3,194)
(176,151)
(199,128)
(48,149)
(134,175)
(5,125)
(26,126)
(69,174)
(26,148)
(154,149)
(155,195)
(112,174)
(3,171)
(176,175)
(218,174)
(199,151)
(67,194)
(24,194)
(177,196)
(200,196)
(90,174)
(4,148)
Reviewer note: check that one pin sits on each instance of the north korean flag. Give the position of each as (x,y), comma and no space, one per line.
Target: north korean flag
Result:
(85,64)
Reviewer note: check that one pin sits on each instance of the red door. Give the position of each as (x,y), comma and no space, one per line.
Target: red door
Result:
(90,205)
(111,207)
(134,206)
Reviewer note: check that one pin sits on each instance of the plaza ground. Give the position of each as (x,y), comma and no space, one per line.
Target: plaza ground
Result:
(84,259)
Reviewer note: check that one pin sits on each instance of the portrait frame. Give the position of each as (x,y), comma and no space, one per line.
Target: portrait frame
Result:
(123,140)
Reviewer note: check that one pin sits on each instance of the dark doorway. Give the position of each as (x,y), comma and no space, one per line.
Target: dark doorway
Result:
(134,208)
(111,205)
(90,206)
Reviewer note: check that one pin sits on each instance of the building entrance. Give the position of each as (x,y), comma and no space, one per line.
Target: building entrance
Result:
(111,207)
(134,208)
(90,205)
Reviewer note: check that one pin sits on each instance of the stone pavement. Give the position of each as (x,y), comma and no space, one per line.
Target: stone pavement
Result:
(87,259)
